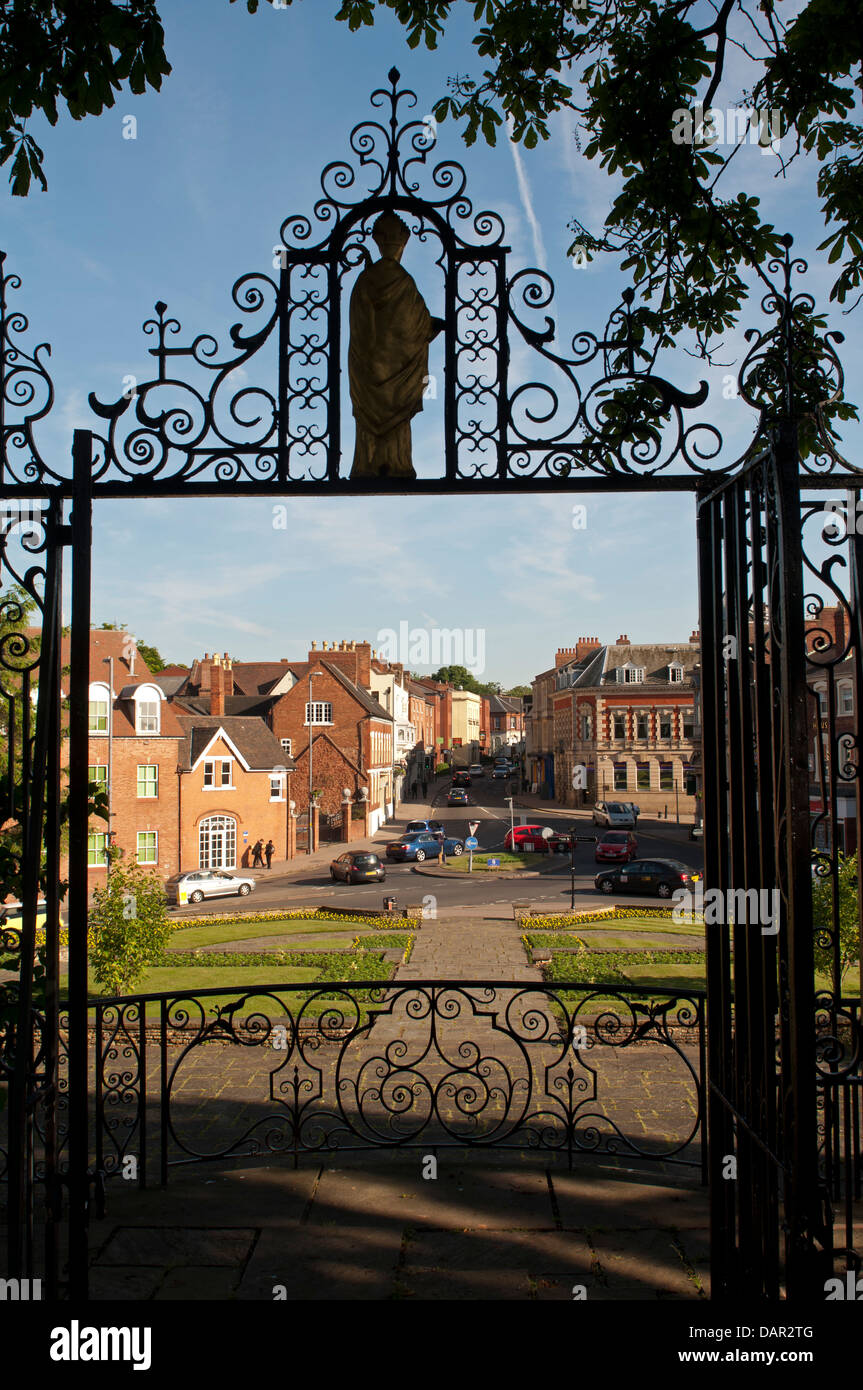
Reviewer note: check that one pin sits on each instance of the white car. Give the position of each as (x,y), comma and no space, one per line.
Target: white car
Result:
(476,770)
(617,814)
(197,884)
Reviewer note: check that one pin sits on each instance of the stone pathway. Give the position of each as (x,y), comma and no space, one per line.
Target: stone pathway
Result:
(382,1230)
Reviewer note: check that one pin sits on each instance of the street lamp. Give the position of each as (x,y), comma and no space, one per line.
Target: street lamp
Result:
(109,662)
(312,675)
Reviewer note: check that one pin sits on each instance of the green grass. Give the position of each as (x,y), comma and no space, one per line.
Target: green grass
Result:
(187,938)
(507,861)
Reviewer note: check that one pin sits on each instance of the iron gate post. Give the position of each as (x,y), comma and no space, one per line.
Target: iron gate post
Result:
(79,682)
(806,1264)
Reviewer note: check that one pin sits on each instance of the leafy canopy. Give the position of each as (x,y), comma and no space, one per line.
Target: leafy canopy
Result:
(77,53)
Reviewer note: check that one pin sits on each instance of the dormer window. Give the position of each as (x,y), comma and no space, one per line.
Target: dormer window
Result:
(675,672)
(99,705)
(147,709)
(629,674)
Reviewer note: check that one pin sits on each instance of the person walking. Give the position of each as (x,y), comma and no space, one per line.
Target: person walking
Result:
(425,789)
(257,860)
(269,852)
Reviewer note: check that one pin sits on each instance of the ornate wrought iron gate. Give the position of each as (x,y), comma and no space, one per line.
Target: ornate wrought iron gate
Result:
(595,419)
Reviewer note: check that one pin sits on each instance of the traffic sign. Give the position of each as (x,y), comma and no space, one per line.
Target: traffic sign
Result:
(474,826)
(493,863)
(471,842)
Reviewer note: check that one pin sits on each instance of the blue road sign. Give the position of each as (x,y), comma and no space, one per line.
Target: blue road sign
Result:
(471,842)
(493,863)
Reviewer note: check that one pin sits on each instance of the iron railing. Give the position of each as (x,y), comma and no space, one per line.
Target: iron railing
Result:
(365,1065)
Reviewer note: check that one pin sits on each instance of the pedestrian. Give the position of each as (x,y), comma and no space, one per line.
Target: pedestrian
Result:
(269,852)
(257,859)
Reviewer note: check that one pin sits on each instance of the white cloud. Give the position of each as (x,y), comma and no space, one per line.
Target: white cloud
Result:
(527,201)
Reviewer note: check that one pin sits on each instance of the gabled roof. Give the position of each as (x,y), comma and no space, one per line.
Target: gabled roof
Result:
(653,658)
(368,702)
(261,677)
(505,704)
(234,704)
(256,746)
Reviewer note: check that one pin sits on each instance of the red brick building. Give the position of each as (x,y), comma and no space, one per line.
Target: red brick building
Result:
(135,746)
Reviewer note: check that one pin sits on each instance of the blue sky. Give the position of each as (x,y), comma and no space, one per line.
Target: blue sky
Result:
(235,141)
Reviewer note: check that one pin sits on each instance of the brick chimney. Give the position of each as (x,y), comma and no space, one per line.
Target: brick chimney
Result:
(694,638)
(217,687)
(623,640)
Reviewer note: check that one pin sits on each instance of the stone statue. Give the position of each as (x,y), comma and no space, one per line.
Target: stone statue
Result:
(391,329)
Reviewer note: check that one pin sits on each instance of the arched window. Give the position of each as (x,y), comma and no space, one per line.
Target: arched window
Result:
(147,709)
(217,843)
(99,707)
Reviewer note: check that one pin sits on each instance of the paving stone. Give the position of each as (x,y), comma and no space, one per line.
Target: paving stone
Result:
(456,1199)
(592,1201)
(355,1262)
(176,1245)
(535,1252)
(200,1283)
(488,1285)
(124,1282)
(641,1260)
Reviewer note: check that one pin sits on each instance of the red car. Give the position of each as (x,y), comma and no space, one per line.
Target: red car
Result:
(619,846)
(527,839)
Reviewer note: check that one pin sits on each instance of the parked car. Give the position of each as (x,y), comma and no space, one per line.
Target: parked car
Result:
(435,826)
(357,866)
(423,844)
(659,876)
(461,779)
(197,884)
(527,839)
(457,797)
(696,832)
(619,846)
(11,914)
(560,842)
(618,814)
(476,770)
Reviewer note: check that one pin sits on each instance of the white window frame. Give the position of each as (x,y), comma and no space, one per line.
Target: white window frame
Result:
(221,785)
(277,780)
(97,768)
(146,768)
(287,746)
(316,705)
(155,835)
(143,721)
(846,691)
(99,695)
(675,672)
(96,835)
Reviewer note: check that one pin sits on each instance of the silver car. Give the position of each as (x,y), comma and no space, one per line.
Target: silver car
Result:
(197,884)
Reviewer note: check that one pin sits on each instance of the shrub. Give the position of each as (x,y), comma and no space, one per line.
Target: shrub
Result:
(128,927)
(849,924)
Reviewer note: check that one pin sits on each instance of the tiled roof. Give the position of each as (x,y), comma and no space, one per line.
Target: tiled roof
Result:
(251,737)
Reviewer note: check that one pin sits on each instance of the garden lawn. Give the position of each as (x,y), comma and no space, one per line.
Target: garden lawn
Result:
(187,938)
(507,861)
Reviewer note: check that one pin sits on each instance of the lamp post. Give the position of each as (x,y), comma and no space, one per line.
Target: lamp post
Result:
(312,846)
(109,662)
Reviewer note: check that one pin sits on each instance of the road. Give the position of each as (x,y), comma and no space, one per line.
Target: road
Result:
(487,804)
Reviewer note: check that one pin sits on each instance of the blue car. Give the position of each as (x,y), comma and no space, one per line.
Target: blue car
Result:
(434,827)
(422,844)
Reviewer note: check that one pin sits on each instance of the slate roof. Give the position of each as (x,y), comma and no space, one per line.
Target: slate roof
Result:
(250,736)
(600,667)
